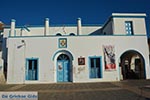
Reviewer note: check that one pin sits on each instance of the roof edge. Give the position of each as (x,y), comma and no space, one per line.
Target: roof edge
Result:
(129,14)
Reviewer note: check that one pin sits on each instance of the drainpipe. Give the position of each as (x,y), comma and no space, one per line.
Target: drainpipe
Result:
(46,26)
(79,26)
(12,28)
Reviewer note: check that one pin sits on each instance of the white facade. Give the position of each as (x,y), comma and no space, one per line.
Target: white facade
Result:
(112,52)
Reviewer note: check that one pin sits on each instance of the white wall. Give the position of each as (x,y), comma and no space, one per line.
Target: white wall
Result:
(45,48)
(139,27)
(91,29)
(64,30)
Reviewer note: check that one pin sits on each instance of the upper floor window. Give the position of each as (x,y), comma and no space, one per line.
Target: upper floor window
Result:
(129,27)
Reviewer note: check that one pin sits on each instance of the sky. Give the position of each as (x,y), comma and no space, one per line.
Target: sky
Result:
(34,12)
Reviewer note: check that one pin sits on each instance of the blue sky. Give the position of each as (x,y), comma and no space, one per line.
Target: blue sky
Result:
(33,12)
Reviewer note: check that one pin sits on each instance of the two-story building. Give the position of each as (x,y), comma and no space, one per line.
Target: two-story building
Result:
(114,51)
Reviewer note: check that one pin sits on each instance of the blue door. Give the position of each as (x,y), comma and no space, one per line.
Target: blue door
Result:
(31,69)
(66,71)
(95,67)
(63,69)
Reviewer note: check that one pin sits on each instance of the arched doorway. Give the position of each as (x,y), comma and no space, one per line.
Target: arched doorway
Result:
(63,60)
(132,65)
(63,68)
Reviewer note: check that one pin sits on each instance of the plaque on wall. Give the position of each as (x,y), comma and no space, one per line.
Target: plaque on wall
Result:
(81,61)
(62,43)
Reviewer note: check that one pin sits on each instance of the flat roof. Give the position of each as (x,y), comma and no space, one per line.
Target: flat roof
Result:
(129,14)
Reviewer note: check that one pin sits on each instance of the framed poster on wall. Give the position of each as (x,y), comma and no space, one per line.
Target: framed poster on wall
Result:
(109,57)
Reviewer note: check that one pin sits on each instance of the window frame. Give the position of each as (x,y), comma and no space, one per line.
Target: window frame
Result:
(129,28)
(27,68)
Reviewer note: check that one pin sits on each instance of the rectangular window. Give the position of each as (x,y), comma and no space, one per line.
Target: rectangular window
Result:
(129,27)
(95,67)
(32,69)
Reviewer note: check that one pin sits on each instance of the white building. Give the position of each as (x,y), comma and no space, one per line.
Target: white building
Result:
(115,51)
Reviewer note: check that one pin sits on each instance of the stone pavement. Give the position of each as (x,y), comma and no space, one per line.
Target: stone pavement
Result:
(124,90)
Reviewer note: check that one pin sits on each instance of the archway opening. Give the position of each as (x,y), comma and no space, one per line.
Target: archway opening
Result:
(132,65)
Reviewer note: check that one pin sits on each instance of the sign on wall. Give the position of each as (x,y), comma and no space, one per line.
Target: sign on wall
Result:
(81,61)
(109,57)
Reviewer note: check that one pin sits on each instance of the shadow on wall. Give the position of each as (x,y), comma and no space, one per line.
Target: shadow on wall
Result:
(1,40)
(4,56)
(97,32)
(1,27)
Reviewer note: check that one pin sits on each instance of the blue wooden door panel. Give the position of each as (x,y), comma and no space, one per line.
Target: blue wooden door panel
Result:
(66,70)
(92,73)
(97,73)
(60,71)
(63,71)
(30,75)
(34,74)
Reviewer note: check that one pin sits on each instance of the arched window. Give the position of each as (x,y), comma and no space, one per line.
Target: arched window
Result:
(72,34)
(63,57)
(58,34)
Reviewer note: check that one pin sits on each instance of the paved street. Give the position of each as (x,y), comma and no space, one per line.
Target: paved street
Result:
(124,90)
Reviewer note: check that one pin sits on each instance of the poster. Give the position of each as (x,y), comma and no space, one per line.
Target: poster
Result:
(109,57)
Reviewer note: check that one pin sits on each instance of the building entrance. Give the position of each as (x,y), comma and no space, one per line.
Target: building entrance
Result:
(63,68)
(132,65)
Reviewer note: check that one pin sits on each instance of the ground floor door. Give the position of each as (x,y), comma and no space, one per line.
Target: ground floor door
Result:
(32,69)
(63,69)
(95,67)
